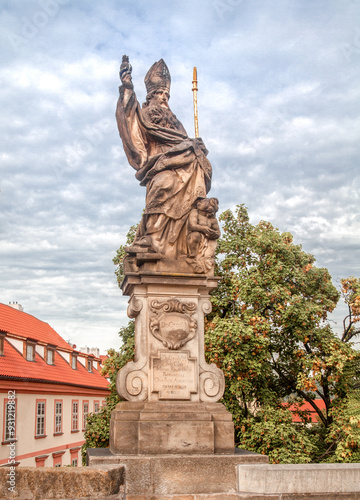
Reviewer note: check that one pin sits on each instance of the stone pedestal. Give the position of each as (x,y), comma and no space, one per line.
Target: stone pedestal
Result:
(169,361)
(178,428)
(171,391)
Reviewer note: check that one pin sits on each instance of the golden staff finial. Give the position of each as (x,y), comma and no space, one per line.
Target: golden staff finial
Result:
(195,89)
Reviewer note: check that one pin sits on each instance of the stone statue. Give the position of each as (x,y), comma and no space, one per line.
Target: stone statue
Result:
(175,171)
(171,393)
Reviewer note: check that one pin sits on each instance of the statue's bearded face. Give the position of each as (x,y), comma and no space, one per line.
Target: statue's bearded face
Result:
(157,111)
(161,98)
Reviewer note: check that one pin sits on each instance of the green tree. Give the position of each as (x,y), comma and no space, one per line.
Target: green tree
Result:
(269,334)
(120,254)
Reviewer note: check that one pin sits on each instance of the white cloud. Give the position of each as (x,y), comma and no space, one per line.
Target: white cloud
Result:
(279,107)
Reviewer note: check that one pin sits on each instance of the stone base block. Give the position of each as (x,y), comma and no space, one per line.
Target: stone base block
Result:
(106,482)
(182,476)
(304,479)
(154,428)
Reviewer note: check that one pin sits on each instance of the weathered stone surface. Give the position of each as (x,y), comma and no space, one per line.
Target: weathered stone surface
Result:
(166,427)
(178,474)
(249,496)
(300,479)
(176,437)
(186,475)
(222,496)
(252,496)
(169,340)
(43,483)
(173,378)
(319,496)
(223,436)
(124,436)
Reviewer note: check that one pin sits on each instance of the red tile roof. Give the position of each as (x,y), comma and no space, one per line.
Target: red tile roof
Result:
(311,413)
(23,324)
(14,366)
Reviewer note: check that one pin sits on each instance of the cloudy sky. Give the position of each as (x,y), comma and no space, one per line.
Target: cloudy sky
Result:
(279,111)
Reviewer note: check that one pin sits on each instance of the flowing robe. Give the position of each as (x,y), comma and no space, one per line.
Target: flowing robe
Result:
(173,167)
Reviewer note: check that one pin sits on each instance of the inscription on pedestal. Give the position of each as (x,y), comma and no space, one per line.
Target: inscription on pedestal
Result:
(174,375)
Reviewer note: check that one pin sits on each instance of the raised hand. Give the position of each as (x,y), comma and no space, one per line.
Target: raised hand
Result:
(125,73)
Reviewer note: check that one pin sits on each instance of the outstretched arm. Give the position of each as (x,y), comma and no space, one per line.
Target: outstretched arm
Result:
(127,111)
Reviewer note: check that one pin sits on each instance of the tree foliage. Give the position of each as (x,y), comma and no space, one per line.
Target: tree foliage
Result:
(269,333)
(120,254)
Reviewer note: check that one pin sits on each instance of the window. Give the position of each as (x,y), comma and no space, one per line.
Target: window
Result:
(30,352)
(89,365)
(50,356)
(57,458)
(40,419)
(73,361)
(85,413)
(75,416)
(96,406)
(103,403)
(58,417)
(10,419)
(40,460)
(74,456)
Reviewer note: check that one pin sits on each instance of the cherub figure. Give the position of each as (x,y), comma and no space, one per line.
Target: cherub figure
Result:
(203,231)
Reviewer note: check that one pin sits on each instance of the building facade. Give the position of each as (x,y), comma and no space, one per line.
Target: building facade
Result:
(47,388)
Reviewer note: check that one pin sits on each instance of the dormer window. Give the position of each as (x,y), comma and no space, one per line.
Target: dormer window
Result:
(50,356)
(89,365)
(30,352)
(74,361)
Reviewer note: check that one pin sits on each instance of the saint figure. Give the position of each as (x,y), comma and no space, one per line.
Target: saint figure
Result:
(172,166)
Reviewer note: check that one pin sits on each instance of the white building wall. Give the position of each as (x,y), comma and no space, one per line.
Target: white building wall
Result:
(27,445)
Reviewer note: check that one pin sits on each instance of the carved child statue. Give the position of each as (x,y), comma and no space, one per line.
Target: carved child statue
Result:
(203,231)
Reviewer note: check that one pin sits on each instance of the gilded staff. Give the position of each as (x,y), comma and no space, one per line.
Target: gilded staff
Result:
(195,89)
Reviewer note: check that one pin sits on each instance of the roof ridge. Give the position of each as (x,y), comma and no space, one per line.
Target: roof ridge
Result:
(23,312)
(27,325)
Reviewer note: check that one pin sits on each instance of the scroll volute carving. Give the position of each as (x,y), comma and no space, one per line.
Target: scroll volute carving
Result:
(134,307)
(172,322)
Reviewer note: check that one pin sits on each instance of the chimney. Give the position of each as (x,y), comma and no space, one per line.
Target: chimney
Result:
(91,350)
(17,306)
(95,351)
